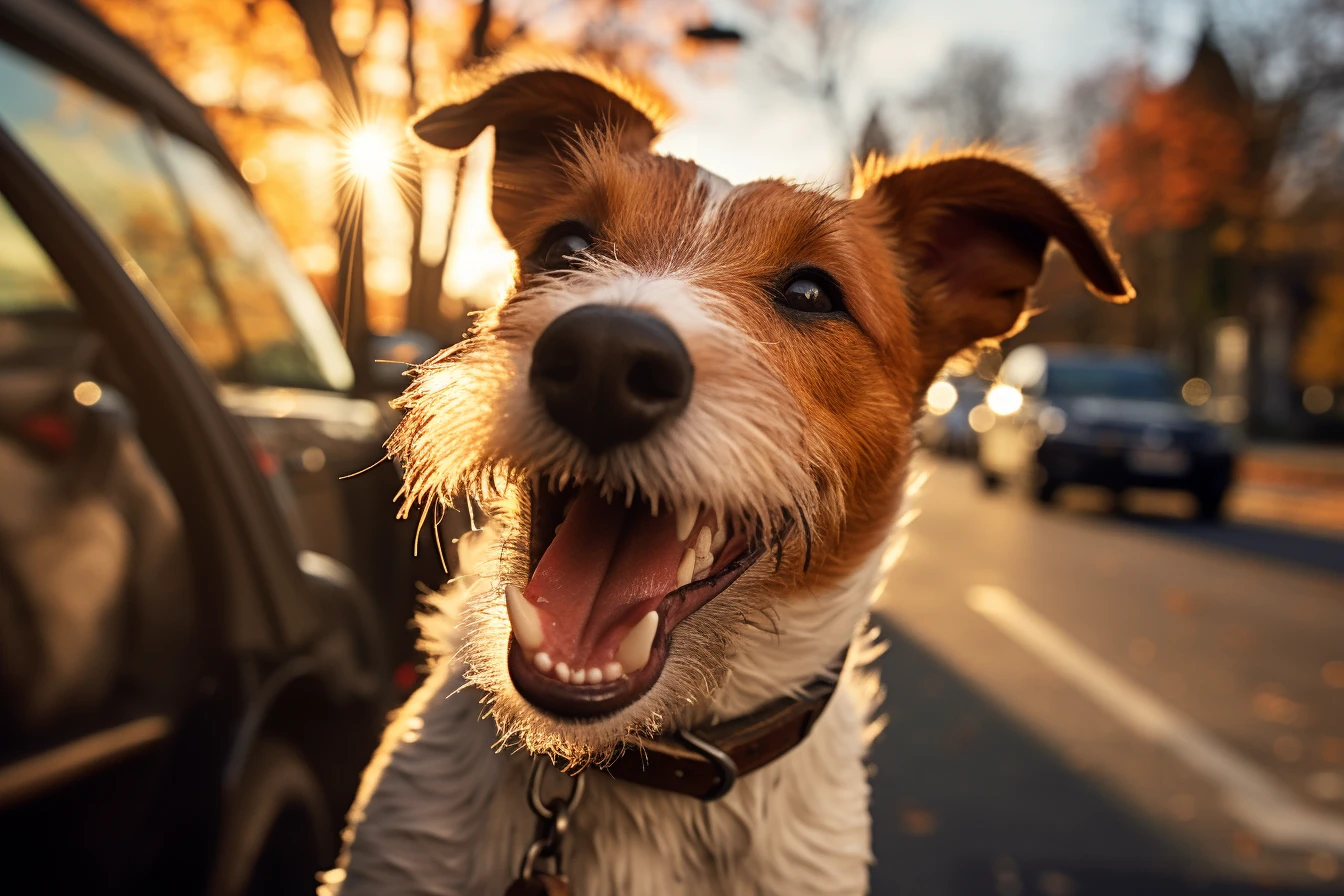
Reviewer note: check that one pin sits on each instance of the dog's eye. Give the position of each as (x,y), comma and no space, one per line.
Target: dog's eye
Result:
(562,246)
(809,292)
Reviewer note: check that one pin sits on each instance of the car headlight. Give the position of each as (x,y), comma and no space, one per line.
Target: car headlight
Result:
(941,398)
(1003,399)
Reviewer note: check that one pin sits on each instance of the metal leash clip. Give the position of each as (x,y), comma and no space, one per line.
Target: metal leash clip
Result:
(542,869)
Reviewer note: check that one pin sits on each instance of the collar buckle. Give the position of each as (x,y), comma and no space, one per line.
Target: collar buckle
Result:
(724,766)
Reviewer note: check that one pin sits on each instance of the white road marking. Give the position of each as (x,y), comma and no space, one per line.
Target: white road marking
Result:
(1250,794)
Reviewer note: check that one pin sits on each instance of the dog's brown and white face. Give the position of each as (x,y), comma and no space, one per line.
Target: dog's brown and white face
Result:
(697,403)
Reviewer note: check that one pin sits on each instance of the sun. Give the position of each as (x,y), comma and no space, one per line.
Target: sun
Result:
(370,153)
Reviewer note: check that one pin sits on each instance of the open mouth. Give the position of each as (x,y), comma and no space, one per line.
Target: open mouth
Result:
(609,585)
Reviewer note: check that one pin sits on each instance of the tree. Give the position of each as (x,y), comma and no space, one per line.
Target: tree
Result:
(1090,103)
(1293,66)
(310,97)
(286,83)
(1224,187)
(807,46)
(1171,161)
(974,97)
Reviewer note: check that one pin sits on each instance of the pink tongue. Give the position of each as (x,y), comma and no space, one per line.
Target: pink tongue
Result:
(604,561)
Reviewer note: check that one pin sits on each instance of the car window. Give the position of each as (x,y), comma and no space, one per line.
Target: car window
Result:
(287,332)
(98,152)
(28,282)
(270,326)
(96,613)
(1100,380)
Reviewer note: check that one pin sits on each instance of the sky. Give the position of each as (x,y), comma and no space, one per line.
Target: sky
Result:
(739,121)
(748,126)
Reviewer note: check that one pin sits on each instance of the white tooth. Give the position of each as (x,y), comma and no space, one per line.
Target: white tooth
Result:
(702,543)
(653,502)
(543,662)
(562,672)
(687,568)
(594,675)
(719,540)
(578,677)
(703,558)
(634,650)
(612,671)
(686,517)
(523,617)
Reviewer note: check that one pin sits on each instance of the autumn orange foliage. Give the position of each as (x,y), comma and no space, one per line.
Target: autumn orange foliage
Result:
(251,68)
(1168,164)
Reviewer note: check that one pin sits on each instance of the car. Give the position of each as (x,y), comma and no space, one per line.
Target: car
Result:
(1065,415)
(202,625)
(948,427)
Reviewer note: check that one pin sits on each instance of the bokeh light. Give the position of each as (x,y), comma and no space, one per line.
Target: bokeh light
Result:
(981,419)
(88,393)
(1196,391)
(1230,409)
(1052,421)
(1004,399)
(1317,399)
(941,398)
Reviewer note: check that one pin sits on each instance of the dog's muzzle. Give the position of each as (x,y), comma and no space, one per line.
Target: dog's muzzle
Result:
(609,375)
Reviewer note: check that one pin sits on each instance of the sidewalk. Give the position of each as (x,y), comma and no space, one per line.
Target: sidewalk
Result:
(1274,463)
(1299,486)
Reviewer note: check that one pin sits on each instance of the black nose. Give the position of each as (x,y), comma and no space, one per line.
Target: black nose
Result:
(610,375)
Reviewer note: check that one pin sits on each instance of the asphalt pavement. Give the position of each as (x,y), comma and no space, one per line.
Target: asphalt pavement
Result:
(1083,702)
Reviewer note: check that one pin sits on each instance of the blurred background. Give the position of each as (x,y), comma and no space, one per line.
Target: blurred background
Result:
(1116,658)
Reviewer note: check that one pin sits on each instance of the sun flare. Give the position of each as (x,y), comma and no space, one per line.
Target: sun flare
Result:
(370,153)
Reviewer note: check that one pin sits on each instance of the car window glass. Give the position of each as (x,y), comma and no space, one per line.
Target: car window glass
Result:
(1100,380)
(287,332)
(98,151)
(28,282)
(96,617)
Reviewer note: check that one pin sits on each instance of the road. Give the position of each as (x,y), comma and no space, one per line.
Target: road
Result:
(1084,703)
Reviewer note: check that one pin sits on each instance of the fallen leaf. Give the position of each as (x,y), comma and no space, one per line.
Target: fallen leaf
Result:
(1269,704)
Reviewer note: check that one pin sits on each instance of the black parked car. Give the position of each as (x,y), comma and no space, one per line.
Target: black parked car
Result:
(948,426)
(199,622)
(1116,420)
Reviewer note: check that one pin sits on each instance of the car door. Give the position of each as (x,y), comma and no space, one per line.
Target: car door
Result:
(144,616)
(101,634)
(103,623)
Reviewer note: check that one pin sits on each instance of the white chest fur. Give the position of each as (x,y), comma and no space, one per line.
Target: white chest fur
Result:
(441,811)
(448,815)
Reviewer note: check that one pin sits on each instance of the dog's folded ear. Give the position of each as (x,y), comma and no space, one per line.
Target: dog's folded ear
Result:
(969,233)
(540,108)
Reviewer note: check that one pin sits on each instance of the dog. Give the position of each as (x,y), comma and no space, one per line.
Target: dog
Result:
(690,423)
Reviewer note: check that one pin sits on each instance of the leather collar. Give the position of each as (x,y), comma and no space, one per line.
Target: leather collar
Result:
(707,762)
